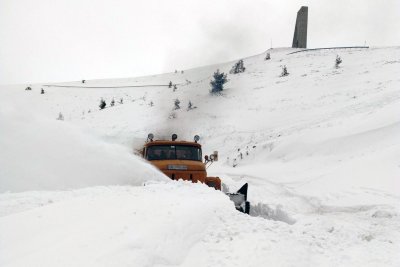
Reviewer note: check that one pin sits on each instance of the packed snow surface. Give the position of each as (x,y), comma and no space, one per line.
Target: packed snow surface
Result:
(319,149)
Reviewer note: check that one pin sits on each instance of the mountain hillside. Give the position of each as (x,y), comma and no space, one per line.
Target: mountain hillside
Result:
(318,147)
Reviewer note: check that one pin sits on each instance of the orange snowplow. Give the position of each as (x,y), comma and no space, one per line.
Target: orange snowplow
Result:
(183,160)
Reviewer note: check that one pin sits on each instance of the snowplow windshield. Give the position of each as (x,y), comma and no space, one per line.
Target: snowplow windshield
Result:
(181,152)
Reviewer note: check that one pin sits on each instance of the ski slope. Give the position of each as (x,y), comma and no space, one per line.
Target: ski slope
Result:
(319,149)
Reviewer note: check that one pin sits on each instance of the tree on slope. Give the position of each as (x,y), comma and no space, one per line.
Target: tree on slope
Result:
(60,117)
(177,104)
(217,85)
(337,61)
(284,71)
(238,67)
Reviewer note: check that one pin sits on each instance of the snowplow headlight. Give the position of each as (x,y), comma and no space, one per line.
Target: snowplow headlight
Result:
(150,136)
(196,138)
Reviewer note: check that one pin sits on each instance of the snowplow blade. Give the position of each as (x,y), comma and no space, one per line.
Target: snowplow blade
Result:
(240,199)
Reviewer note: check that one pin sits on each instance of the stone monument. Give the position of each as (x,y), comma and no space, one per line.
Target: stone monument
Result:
(300,31)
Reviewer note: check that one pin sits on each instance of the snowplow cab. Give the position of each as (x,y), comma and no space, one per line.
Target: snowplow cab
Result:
(179,160)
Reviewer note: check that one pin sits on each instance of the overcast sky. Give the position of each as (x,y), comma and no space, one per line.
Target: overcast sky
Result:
(64,40)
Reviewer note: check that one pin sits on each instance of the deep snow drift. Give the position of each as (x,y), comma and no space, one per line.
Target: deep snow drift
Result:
(318,148)
(38,153)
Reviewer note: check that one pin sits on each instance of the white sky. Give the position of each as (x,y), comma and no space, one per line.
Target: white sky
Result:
(63,40)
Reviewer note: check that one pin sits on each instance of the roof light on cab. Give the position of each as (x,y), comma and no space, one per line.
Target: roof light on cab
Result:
(196,138)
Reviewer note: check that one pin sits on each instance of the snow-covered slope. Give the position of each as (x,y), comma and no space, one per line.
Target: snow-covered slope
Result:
(318,148)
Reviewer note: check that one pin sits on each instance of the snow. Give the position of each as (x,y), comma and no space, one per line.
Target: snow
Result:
(318,148)
(48,154)
(112,225)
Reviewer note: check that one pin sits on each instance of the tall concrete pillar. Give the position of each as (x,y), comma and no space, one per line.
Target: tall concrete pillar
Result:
(300,31)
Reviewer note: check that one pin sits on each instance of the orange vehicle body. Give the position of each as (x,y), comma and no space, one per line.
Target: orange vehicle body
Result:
(178,167)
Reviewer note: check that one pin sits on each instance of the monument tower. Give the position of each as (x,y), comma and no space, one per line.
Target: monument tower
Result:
(300,31)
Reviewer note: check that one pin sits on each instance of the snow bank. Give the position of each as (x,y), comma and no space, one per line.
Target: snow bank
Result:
(112,226)
(37,153)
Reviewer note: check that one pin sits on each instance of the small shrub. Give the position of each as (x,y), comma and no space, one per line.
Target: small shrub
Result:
(268,56)
(190,106)
(284,71)
(60,117)
(338,61)
(177,104)
(112,103)
(172,115)
(103,104)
